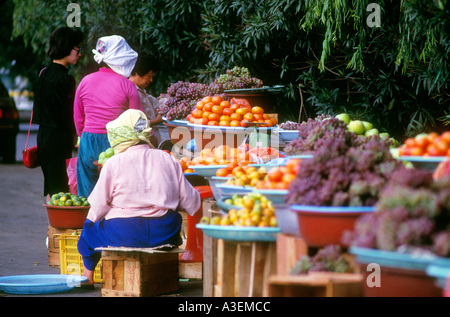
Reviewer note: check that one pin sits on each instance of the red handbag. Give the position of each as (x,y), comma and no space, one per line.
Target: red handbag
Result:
(30,154)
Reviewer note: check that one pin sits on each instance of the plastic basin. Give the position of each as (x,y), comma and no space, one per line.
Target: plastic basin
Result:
(67,217)
(323,225)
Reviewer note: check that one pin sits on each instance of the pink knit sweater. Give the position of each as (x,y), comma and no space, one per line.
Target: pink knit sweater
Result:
(100,98)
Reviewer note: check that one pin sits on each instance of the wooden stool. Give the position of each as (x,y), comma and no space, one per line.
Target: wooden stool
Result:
(139,272)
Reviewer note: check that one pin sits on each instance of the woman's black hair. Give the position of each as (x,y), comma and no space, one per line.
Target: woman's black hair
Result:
(145,63)
(62,41)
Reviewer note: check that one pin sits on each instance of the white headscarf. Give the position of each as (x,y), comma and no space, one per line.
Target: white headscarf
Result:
(116,53)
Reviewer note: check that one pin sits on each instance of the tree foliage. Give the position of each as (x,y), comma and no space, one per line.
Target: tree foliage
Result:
(324,52)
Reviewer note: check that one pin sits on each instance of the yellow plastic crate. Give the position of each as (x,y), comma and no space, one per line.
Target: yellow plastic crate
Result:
(71,262)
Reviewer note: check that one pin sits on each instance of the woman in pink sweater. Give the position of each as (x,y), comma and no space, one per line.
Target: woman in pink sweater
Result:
(100,98)
(136,200)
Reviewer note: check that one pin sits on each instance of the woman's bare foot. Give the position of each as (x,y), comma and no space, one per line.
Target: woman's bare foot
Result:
(90,278)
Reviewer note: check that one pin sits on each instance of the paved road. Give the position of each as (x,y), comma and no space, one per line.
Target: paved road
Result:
(23,227)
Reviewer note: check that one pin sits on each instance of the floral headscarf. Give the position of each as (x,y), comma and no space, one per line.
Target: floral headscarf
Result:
(129,129)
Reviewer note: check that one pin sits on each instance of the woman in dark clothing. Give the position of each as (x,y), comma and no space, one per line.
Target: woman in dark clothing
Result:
(53,109)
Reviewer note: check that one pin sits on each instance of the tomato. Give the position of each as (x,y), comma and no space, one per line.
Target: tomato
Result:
(257,110)
(410,142)
(441,145)
(432,150)
(275,175)
(222,172)
(417,151)
(446,136)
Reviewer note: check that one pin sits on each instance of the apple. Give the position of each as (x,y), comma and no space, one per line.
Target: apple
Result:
(385,135)
(344,117)
(356,126)
(109,152)
(371,132)
(367,125)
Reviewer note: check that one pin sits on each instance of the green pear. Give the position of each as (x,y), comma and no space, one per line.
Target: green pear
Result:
(344,117)
(109,152)
(367,125)
(356,126)
(385,135)
(371,132)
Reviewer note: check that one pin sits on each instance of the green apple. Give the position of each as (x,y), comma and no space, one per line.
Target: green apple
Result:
(344,117)
(102,156)
(367,125)
(371,132)
(356,126)
(385,135)
(109,152)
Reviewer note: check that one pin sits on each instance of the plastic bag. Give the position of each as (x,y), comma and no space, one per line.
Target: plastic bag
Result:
(72,174)
(241,102)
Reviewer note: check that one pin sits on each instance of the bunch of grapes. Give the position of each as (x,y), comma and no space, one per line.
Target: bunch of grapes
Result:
(289,125)
(181,97)
(328,259)
(413,211)
(236,78)
(346,169)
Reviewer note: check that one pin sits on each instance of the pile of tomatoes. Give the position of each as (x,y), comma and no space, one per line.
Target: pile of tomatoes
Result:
(431,144)
(215,111)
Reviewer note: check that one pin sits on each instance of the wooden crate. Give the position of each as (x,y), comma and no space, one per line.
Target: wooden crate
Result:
(210,209)
(289,250)
(316,284)
(243,268)
(53,244)
(139,272)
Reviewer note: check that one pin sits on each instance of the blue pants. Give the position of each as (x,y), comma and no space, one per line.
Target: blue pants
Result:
(138,232)
(91,145)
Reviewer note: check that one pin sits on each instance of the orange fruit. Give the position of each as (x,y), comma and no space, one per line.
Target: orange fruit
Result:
(216,100)
(242,111)
(208,106)
(249,116)
(214,117)
(213,122)
(199,105)
(235,123)
(257,110)
(206,114)
(222,172)
(446,136)
(258,116)
(235,116)
(234,106)
(225,118)
(228,111)
(224,123)
(225,104)
(207,99)
(217,109)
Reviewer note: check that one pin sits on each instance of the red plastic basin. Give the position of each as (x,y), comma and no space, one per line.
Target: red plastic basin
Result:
(320,226)
(67,217)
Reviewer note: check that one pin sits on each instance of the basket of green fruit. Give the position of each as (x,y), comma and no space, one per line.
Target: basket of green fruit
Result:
(67,211)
